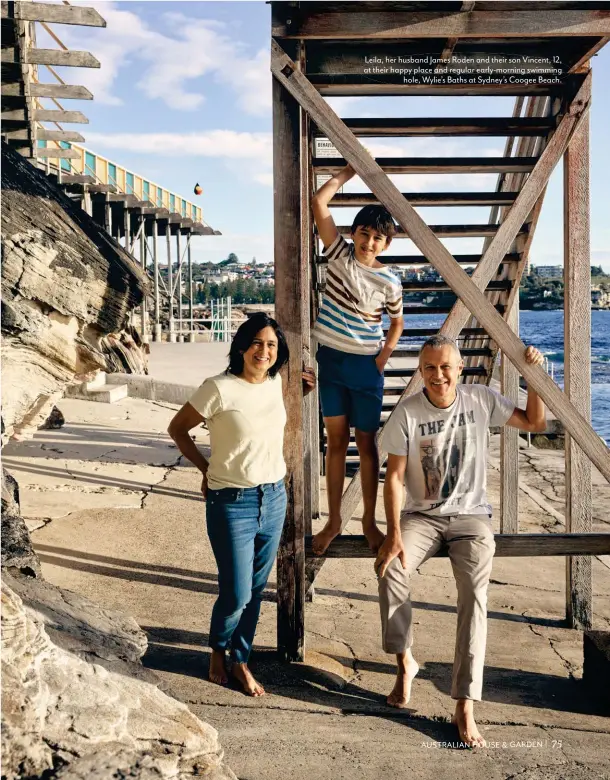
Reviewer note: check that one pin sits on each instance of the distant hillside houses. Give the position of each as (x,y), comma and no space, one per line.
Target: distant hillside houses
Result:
(548,271)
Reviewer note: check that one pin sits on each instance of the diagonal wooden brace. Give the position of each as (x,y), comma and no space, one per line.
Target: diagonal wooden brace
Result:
(284,70)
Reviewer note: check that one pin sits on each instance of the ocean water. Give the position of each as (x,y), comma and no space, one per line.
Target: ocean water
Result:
(544,329)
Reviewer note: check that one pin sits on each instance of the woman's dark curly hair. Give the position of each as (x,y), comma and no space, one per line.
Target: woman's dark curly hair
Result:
(245,335)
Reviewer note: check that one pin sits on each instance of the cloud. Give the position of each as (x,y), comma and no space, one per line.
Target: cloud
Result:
(187,49)
(245,154)
(213,143)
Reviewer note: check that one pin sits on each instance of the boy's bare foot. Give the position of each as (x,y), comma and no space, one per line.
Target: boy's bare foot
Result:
(320,542)
(401,692)
(218,669)
(244,677)
(373,535)
(465,723)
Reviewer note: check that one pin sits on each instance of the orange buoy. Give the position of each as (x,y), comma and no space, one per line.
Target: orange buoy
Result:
(197,189)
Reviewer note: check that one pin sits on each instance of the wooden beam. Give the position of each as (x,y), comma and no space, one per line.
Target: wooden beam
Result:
(362,86)
(509,444)
(48,115)
(71,59)
(288,295)
(56,14)
(435,164)
(62,91)
(512,257)
(310,413)
(471,296)
(59,135)
(56,153)
(313,24)
(577,366)
(442,231)
(359,199)
(507,546)
(491,126)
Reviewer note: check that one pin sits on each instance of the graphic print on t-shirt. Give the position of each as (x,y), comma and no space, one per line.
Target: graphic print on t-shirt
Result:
(448,462)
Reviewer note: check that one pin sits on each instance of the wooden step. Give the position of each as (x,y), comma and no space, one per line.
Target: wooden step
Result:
(502,284)
(57,14)
(61,91)
(77,178)
(425,332)
(400,372)
(421,260)
(46,115)
(445,231)
(439,309)
(341,85)
(435,164)
(55,153)
(493,126)
(59,135)
(359,199)
(468,352)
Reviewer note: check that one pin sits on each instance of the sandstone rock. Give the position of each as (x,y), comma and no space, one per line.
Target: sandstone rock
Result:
(65,285)
(78,625)
(60,710)
(17,552)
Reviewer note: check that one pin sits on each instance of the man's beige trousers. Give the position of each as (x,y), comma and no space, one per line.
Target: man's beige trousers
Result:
(471,546)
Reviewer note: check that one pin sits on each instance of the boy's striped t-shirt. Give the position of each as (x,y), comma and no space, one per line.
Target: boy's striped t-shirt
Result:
(353,301)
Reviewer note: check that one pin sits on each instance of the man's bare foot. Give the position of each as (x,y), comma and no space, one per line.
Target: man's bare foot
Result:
(401,692)
(218,669)
(323,538)
(373,535)
(465,723)
(244,677)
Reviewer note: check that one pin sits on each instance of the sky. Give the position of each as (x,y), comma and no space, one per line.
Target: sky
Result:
(183,96)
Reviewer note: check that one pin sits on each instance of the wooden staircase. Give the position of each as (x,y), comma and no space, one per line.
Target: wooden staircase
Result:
(322,49)
(23,85)
(531,132)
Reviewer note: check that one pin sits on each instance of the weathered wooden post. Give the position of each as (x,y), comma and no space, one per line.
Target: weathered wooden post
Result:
(289,291)
(577,363)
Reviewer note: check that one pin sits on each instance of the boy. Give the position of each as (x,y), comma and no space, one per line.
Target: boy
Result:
(351,356)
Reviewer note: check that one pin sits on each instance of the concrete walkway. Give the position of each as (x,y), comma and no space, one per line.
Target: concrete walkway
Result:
(118,517)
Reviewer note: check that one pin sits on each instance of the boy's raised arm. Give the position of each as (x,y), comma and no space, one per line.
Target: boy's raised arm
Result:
(321,213)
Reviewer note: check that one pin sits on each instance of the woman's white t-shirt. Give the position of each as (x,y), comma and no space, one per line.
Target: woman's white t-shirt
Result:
(246,423)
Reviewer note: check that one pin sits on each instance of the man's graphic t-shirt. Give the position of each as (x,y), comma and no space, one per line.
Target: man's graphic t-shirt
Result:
(446,449)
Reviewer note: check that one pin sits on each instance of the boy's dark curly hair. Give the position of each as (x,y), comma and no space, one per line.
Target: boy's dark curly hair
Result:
(245,335)
(376,217)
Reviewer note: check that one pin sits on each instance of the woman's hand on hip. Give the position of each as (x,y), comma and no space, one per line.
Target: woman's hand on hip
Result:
(204,485)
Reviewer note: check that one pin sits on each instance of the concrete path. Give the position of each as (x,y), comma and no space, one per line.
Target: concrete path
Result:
(119,518)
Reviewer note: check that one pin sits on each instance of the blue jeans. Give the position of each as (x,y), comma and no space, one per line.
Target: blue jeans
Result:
(244,527)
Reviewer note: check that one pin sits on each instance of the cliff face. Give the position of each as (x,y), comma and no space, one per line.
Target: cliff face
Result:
(66,285)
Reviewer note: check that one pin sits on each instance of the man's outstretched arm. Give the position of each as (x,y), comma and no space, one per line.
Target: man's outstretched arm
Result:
(319,204)
(392,499)
(532,419)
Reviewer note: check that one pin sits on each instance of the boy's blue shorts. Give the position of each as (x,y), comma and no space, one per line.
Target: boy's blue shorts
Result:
(350,385)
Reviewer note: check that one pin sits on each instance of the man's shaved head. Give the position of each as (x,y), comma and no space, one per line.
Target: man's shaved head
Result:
(439,341)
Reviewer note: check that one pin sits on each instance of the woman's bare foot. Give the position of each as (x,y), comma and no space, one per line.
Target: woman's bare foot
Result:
(244,677)
(373,535)
(218,669)
(401,692)
(465,723)
(323,538)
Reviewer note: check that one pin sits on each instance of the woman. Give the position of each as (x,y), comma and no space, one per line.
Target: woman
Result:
(243,483)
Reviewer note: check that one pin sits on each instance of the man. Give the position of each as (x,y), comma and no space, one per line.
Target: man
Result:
(437,443)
